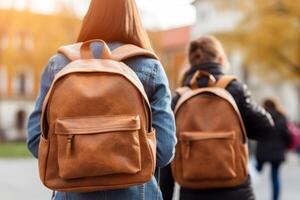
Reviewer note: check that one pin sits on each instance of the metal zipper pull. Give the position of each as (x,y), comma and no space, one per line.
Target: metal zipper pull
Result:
(69,144)
(187,149)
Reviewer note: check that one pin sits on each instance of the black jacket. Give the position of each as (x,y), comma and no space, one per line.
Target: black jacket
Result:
(273,149)
(257,122)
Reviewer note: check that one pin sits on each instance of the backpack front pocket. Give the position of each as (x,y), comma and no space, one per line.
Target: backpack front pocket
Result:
(207,155)
(98,146)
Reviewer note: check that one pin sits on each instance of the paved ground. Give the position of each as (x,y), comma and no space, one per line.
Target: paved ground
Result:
(290,181)
(19,180)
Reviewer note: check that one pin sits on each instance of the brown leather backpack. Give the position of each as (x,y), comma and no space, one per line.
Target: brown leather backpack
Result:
(96,123)
(212,143)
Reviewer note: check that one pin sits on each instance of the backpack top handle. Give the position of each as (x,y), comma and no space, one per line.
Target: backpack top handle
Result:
(83,50)
(87,53)
(194,81)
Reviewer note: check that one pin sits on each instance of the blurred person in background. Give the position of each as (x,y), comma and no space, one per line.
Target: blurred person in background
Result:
(117,22)
(207,54)
(273,150)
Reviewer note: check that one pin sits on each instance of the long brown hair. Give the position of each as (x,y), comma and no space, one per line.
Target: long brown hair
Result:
(114,21)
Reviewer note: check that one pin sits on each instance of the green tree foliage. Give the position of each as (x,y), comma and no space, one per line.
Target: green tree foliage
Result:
(269,36)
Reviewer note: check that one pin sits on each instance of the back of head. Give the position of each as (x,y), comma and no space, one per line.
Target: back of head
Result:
(114,21)
(272,105)
(206,49)
(203,50)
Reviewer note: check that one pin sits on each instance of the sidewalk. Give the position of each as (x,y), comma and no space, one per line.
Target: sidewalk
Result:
(19,180)
(290,177)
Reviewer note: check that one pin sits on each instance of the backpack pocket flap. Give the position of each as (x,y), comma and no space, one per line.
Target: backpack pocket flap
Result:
(98,146)
(96,124)
(191,136)
(208,155)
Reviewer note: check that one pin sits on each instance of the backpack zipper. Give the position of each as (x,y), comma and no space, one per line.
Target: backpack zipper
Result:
(69,144)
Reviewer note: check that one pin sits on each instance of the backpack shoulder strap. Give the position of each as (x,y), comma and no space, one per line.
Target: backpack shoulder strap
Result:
(80,51)
(128,51)
(225,81)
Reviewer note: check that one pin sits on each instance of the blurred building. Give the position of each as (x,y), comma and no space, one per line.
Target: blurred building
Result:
(171,46)
(27,40)
(215,18)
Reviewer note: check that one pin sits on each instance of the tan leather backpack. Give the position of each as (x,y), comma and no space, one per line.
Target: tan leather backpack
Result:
(212,143)
(96,123)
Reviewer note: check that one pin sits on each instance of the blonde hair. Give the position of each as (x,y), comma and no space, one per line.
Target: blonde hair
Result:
(206,49)
(114,21)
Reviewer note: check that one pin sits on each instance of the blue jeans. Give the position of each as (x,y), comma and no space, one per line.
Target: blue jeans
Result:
(298,151)
(275,177)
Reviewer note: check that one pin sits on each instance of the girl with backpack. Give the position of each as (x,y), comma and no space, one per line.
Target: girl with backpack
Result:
(216,177)
(106,28)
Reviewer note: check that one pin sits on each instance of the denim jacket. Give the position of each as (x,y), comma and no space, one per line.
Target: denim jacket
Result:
(153,77)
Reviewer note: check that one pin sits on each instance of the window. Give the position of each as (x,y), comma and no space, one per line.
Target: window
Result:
(16,42)
(3,80)
(20,120)
(4,42)
(23,84)
(28,43)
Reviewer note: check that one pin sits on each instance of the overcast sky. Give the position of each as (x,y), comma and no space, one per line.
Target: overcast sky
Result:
(156,14)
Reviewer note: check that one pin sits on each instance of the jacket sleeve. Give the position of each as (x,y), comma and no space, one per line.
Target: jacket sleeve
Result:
(258,122)
(33,128)
(163,118)
(285,132)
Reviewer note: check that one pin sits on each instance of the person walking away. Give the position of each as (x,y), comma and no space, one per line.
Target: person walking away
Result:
(273,150)
(215,116)
(102,123)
